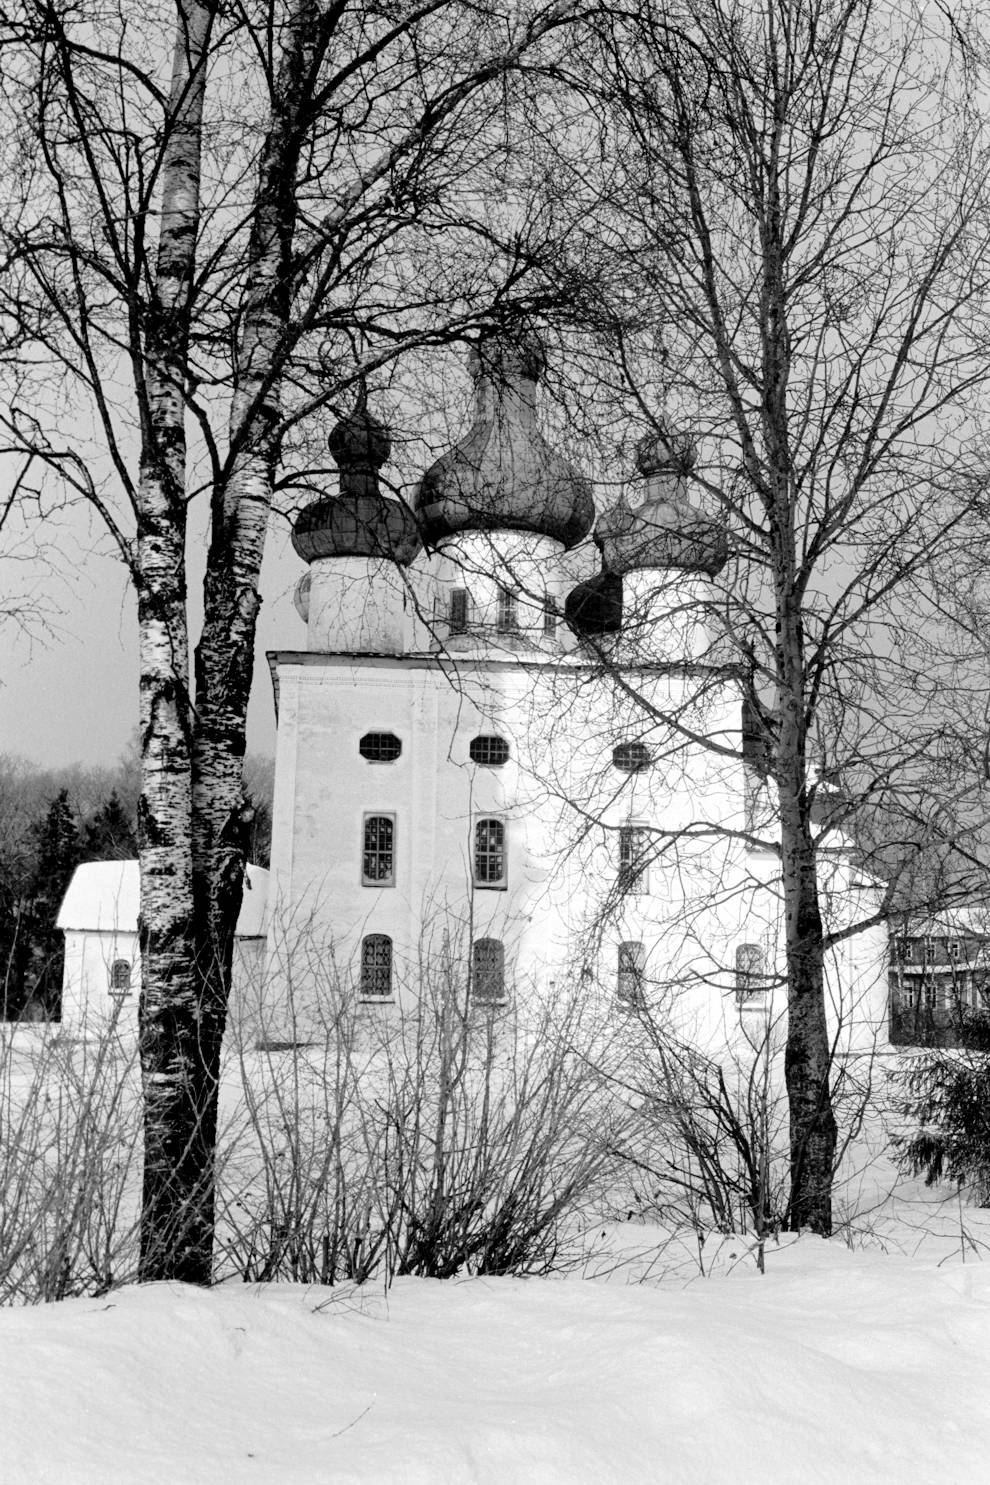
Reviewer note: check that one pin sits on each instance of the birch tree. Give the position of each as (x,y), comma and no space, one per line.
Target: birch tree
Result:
(200,257)
(790,218)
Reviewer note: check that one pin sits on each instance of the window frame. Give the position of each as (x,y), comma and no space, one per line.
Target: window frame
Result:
(630,973)
(370,944)
(487,1001)
(479,880)
(646,759)
(488,738)
(366,851)
(634,872)
(506,611)
(376,733)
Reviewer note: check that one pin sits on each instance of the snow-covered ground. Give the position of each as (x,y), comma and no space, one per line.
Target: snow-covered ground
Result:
(839,1364)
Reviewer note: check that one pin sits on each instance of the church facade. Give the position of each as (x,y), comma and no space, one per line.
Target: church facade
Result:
(511,757)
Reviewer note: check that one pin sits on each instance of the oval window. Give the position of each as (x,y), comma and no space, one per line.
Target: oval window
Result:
(490,751)
(631,757)
(380,747)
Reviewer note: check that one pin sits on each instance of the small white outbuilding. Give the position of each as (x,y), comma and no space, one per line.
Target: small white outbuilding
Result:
(101,978)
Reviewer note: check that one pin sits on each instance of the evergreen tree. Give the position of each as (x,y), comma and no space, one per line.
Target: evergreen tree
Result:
(58,854)
(109,834)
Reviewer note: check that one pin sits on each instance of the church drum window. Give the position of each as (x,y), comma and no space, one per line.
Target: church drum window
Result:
(120,976)
(491,752)
(378,858)
(489,853)
(376,967)
(458,611)
(507,617)
(634,845)
(629,981)
(488,971)
(380,747)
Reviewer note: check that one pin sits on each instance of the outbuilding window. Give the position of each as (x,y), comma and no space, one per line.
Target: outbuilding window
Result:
(120,976)
(490,866)
(376,967)
(488,971)
(378,859)
(751,984)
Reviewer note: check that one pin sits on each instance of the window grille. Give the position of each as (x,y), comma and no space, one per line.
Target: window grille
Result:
(458,611)
(750,974)
(629,982)
(376,967)
(631,757)
(490,751)
(634,846)
(488,971)
(489,853)
(507,617)
(380,747)
(120,976)
(378,865)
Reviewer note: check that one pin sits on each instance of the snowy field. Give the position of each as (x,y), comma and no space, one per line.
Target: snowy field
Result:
(838,1364)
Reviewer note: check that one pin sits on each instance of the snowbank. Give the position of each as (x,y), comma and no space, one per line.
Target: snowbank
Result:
(834,1367)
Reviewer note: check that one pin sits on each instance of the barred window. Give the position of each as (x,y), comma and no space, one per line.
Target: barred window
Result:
(634,857)
(120,976)
(490,751)
(489,853)
(750,974)
(629,982)
(507,613)
(488,971)
(631,757)
(378,863)
(458,611)
(380,747)
(376,967)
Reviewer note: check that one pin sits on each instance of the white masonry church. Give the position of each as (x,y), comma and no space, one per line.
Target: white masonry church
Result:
(510,755)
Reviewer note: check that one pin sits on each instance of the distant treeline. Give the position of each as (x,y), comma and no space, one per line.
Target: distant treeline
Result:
(50,821)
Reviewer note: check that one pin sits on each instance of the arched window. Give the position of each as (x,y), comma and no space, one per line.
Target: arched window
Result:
(490,867)
(376,967)
(631,757)
(629,981)
(458,611)
(378,861)
(507,617)
(488,971)
(491,752)
(750,974)
(380,747)
(634,858)
(120,976)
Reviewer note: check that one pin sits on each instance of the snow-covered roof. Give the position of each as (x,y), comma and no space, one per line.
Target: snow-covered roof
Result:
(105,897)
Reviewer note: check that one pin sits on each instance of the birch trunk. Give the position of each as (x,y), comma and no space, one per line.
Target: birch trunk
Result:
(176,1214)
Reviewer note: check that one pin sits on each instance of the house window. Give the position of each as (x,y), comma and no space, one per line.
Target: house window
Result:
(120,976)
(631,757)
(492,752)
(376,967)
(955,950)
(634,846)
(929,950)
(378,861)
(507,617)
(489,853)
(488,971)
(458,611)
(380,747)
(903,952)
(629,982)
(750,974)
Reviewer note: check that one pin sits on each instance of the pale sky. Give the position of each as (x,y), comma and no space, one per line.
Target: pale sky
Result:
(68,686)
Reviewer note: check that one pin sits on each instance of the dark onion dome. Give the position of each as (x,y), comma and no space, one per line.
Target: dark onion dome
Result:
(666,530)
(503,475)
(360,521)
(594,607)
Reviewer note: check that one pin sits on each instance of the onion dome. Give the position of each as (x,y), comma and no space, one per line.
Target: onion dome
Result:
(360,521)
(503,475)
(594,607)
(665,530)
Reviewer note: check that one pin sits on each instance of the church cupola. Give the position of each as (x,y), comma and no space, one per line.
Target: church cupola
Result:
(664,551)
(502,507)
(353,596)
